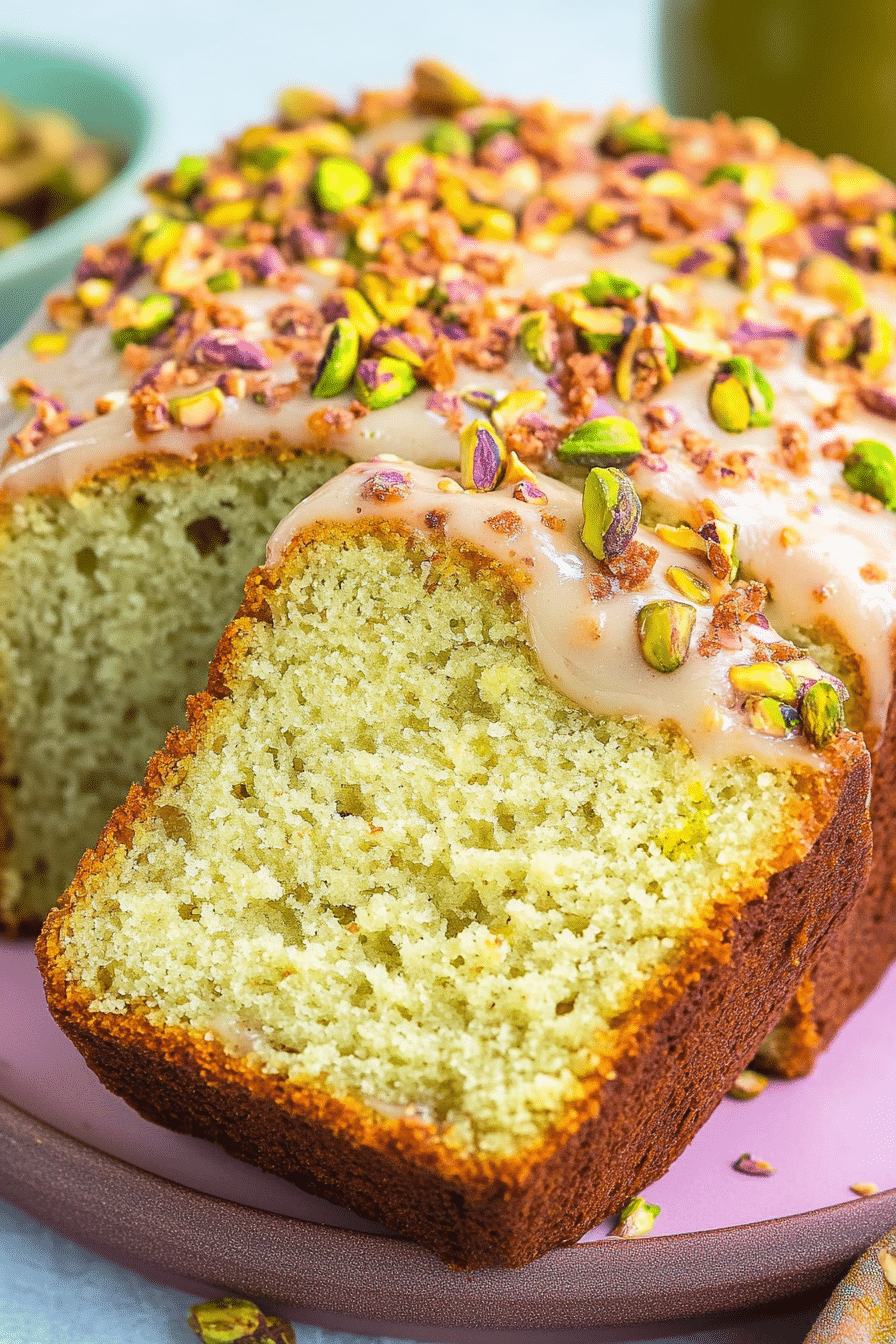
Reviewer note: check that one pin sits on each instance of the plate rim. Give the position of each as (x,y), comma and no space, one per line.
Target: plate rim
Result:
(90,1196)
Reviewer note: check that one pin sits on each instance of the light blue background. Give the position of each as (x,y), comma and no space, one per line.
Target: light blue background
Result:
(211,68)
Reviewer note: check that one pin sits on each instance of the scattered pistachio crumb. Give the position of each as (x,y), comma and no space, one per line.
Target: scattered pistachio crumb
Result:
(748,1085)
(753,1166)
(636,1219)
(864,1188)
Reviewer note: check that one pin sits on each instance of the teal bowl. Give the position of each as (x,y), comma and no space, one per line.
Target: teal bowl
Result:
(109,105)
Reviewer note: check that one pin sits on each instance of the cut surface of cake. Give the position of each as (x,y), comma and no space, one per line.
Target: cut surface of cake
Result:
(471,884)
(700,304)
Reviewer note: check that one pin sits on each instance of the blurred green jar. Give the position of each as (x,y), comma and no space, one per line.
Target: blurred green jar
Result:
(824,71)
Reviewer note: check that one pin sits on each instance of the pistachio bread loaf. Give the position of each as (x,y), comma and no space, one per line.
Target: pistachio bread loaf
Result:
(471,884)
(698,303)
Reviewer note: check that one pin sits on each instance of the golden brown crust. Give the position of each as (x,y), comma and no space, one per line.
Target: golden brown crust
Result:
(860,950)
(666,1069)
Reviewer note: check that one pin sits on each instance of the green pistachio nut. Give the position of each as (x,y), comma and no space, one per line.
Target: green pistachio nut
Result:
(664,631)
(492,224)
(486,121)
(688,583)
(360,313)
(163,240)
(726,172)
(829,277)
(695,346)
(830,340)
(228,1320)
(538,337)
(324,139)
(605,287)
(48,344)
(821,714)
(449,140)
(439,89)
(646,364)
(224,281)
(636,1219)
(483,457)
(154,314)
(610,441)
(401,166)
(340,359)
(739,396)
(767,715)
(600,216)
(510,410)
(612,511)
(871,468)
(340,183)
(602,328)
(719,536)
(873,343)
(766,219)
(188,176)
(763,679)
(392,299)
(748,264)
(197,410)
(381,382)
(645,133)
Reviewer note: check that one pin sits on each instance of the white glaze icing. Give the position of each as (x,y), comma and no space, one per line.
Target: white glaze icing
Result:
(589,649)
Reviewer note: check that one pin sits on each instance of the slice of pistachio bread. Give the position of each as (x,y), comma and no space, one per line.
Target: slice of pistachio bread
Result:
(476,876)
(700,303)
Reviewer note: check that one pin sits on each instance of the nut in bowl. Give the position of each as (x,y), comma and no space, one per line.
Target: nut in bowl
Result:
(110,109)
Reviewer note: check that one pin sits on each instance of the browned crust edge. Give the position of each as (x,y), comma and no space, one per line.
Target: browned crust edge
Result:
(676,1057)
(854,959)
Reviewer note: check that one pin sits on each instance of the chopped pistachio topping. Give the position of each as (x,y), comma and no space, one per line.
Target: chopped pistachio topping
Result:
(833,279)
(538,337)
(340,359)
(511,409)
(604,287)
(821,714)
(612,511)
(483,457)
(47,344)
(664,631)
(688,583)
(197,410)
(871,468)
(739,396)
(753,1166)
(381,382)
(609,441)
(339,183)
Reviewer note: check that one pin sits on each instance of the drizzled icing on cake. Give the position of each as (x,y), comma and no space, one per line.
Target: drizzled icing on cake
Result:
(587,644)
(481,231)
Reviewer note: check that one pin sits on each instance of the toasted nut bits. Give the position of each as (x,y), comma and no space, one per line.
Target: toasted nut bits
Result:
(739,396)
(664,632)
(340,359)
(611,441)
(647,363)
(382,382)
(636,1219)
(612,512)
(871,469)
(483,457)
(232,1320)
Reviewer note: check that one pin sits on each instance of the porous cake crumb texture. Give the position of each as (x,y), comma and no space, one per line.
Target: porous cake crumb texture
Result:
(111,603)
(404,867)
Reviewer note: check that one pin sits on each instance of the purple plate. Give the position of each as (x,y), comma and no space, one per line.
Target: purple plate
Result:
(178,1208)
